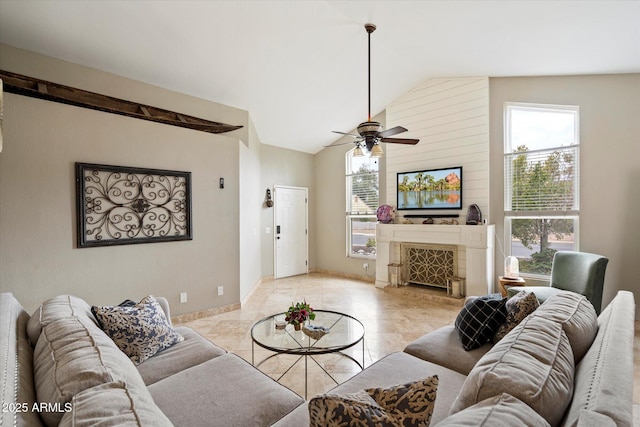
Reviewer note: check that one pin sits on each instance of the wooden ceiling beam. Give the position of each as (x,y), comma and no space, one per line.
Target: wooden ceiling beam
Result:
(32,87)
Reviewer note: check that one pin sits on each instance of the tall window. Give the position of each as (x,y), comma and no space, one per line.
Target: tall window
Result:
(541,163)
(362,203)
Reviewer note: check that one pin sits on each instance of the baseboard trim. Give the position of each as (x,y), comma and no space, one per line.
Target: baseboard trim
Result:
(255,286)
(371,279)
(182,318)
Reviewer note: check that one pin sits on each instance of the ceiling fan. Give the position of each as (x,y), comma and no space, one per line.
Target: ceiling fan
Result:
(370,133)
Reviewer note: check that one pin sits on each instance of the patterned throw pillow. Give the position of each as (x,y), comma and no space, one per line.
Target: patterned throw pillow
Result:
(410,404)
(479,320)
(139,331)
(518,307)
(407,405)
(356,409)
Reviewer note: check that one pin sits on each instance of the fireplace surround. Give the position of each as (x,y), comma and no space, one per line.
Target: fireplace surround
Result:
(474,243)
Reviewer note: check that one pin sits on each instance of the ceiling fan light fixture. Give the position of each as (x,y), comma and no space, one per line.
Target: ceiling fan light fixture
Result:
(357,152)
(376,151)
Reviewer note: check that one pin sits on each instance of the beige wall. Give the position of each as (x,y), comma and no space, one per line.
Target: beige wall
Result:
(42,140)
(330,225)
(610,171)
(280,166)
(609,163)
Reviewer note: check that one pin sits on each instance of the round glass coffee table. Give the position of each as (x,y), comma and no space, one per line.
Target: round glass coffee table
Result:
(344,332)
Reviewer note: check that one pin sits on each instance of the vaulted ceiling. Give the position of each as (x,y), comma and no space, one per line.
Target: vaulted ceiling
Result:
(300,67)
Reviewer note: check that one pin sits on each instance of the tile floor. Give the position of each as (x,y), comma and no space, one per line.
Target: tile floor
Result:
(391,321)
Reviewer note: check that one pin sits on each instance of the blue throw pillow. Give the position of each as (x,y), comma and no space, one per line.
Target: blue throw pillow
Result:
(139,331)
(479,320)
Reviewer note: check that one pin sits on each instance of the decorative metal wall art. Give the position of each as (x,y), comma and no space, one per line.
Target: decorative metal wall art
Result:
(119,205)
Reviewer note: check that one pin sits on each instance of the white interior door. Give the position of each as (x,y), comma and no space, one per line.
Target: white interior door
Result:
(290,224)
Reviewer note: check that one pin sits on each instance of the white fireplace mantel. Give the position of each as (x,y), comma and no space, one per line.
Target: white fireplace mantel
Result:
(476,239)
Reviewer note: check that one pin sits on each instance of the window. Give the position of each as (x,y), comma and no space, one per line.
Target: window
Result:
(362,203)
(541,163)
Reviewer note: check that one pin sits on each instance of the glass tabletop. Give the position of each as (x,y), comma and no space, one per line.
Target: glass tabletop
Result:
(344,331)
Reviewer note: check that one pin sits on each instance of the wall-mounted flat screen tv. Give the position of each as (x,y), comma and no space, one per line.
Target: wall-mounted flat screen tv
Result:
(430,189)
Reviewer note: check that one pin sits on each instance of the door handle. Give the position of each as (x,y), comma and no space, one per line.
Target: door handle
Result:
(277,229)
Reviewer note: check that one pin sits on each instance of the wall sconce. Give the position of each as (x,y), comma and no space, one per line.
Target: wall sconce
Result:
(269,200)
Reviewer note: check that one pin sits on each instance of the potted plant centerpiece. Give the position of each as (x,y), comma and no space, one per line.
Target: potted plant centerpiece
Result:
(298,313)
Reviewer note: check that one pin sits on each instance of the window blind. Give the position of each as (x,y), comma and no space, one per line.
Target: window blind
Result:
(542,180)
(362,193)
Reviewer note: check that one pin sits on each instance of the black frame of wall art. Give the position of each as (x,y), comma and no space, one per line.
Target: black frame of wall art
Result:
(119,205)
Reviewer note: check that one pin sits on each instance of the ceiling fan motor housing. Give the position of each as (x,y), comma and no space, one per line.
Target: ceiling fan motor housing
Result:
(369,131)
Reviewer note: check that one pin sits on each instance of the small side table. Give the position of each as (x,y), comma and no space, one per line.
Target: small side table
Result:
(510,282)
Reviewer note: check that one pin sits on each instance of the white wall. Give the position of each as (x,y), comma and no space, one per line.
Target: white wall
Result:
(451,119)
(251,201)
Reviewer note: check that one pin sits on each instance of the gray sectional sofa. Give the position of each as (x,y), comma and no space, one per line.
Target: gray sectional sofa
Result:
(529,378)
(562,365)
(58,367)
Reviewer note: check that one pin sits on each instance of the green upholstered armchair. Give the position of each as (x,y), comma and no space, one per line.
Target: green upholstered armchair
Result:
(580,272)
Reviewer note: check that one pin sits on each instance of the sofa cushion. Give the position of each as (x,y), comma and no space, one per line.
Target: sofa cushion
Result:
(140,331)
(533,363)
(518,307)
(577,316)
(113,404)
(72,355)
(57,308)
(604,377)
(407,405)
(395,368)
(443,347)
(479,320)
(17,391)
(501,410)
(224,391)
(192,351)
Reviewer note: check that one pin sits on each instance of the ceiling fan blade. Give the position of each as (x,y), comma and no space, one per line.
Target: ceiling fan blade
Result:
(401,141)
(344,143)
(393,131)
(344,133)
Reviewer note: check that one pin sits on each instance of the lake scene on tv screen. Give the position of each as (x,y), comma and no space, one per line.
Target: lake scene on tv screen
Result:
(430,189)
